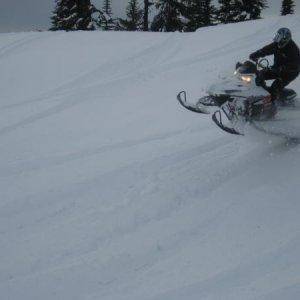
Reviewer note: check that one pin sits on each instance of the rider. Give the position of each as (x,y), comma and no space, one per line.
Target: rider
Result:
(286,62)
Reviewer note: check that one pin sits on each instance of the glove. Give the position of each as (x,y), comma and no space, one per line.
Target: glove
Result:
(254,56)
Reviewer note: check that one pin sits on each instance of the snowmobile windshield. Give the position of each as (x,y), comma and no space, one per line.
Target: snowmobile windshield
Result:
(245,71)
(247,68)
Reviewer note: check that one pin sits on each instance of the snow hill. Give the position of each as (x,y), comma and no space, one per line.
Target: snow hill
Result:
(110,190)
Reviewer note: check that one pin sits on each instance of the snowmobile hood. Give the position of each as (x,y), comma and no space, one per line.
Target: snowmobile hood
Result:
(236,87)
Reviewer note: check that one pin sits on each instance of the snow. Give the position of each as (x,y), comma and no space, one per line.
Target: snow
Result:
(110,190)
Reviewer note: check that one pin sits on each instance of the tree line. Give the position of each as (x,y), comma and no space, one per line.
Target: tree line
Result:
(171,15)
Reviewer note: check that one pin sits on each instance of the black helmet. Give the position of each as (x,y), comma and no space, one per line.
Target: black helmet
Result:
(282,37)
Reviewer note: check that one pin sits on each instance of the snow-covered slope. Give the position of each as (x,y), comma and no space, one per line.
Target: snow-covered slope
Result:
(110,190)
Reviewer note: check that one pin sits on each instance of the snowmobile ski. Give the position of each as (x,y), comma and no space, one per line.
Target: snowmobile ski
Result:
(197,108)
(217,118)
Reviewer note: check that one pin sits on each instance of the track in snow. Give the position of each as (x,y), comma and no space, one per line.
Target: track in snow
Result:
(109,190)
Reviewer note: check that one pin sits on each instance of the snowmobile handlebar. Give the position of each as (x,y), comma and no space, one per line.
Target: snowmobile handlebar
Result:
(262,64)
(253,67)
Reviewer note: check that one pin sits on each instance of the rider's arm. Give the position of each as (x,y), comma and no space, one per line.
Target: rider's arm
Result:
(265,51)
(268,50)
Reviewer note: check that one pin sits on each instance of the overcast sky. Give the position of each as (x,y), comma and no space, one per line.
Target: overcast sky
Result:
(23,15)
(19,15)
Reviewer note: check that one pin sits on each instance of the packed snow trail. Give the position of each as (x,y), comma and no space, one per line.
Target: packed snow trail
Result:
(110,190)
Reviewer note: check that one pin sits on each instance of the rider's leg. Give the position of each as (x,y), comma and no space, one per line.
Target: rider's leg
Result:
(269,107)
(264,75)
(269,74)
(276,89)
(280,83)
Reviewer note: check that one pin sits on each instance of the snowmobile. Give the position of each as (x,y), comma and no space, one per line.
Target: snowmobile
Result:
(240,101)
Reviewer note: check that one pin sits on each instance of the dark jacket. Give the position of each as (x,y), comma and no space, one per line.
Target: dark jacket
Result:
(287,58)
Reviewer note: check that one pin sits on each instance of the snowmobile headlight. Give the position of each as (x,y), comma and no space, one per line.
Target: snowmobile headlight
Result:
(246,78)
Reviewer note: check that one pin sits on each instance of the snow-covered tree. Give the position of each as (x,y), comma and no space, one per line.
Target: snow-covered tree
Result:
(85,11)
(253,8)
(105,20)
(106,8)
(170,16)
(73,15)
(231,11)
(134,18)
(147,5)
(287,7)
(61,12)
(199,14)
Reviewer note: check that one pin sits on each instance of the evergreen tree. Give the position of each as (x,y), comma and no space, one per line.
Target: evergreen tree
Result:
(253,8)
(147,5)
(61,12)
(73,15)
(287,7)
(85,19)
(134,19)
(105,20)
(199,14)
(106,8)
(170,16)
(231,11)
